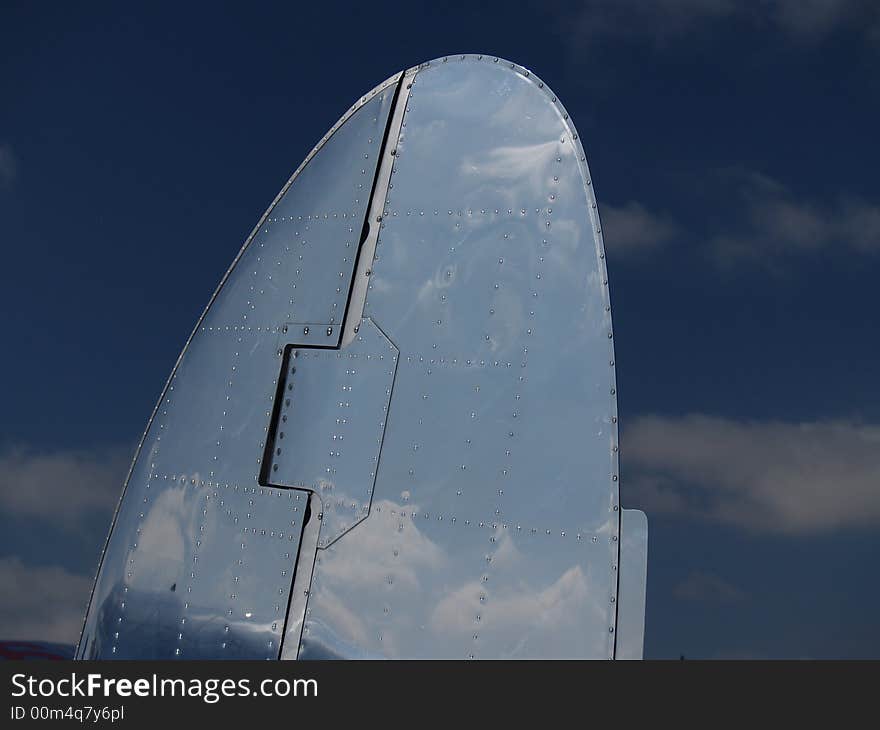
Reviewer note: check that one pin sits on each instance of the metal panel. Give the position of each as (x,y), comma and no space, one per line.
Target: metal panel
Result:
(408,583)
(330,423)
(200,560)
(633,578)
(374,217)
(495,518)
(207,574)
(302,581)
(298,267)
(212,420)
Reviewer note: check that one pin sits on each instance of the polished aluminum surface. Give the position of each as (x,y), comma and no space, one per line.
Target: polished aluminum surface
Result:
(302,580)
(330,423)
(494,524)
(398,414)
(201,557)
(298,267)
(633,578)
(207,576)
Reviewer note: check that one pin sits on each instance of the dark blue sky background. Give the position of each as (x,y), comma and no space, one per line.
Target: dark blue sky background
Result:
(735,157)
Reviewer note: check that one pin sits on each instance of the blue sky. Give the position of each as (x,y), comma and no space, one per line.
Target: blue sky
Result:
(734,150)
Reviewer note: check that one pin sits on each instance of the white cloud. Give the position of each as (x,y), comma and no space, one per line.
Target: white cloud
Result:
(772,224)
(777,223)
(707,587)
(660,20)
(61,487)
(633,229)
(663,21)
(41,603)
(814,18)
(769,477)
(8,166)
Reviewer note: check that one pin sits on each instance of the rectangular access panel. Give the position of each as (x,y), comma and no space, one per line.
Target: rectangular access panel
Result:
(208,577)
(329,423)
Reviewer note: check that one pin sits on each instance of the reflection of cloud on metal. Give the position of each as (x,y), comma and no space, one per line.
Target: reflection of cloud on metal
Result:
(163,539)
(520,165)
(378,555)
(463,588)
(566,596)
